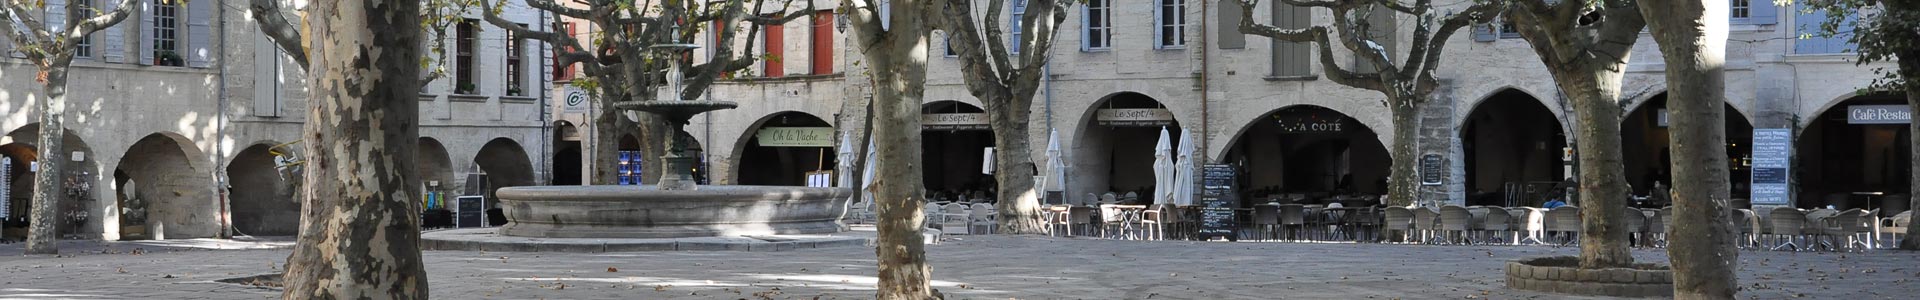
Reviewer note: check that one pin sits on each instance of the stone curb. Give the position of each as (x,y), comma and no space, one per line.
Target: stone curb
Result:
(1617,282)
(456,243)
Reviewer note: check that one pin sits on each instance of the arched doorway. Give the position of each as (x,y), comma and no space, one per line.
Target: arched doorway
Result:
(505,164)
(436,181)
(1646,148)
(1115,147)
(263,204)
(1308,153)
(1513,147)
(1855,153)
(698,152)
(19,167)
(163,192)
(955,139)
(566,155)
(783,148)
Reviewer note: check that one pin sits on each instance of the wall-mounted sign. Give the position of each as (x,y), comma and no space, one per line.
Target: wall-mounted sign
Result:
(1660,118)
(796,137)
(1879,114)
(1771,162)
(1430,169)
(1309,123)
(1134,117)
(575,101)
(963,121)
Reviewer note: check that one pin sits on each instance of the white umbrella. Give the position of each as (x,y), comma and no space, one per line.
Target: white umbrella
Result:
(1162,170)
(1056,165)
(1184,171)
(866,177)
(845,160)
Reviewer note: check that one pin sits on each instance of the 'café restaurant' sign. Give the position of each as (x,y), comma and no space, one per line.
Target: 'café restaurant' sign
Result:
(796,137)
(960,121)
(1134,117)
(1879,114)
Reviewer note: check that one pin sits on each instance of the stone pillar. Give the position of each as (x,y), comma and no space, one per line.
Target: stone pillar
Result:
(1774,106)
(1439,137)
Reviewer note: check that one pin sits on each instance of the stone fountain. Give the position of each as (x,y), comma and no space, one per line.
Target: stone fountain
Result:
(675,207)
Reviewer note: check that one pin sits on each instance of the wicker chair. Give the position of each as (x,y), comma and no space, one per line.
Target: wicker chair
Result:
(1496,223)
(1750,227)
(1426,221)
(1294,218)
(954,219)
(1266,221)
(1850,225)
(1529,224)
(1636,225)
(1395,218)
(1566,221)
(1786,225)
(1455,223)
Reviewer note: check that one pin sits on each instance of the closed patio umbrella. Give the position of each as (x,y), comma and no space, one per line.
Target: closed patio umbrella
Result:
(1183,179)
(1056,176)
(1162,170)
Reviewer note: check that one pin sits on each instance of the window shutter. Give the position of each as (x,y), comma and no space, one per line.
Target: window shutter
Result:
(1762,12)
(1086,30)
(199,33)
(1230,36)
(11,48)
(266,76)
(146,33)
(56,16)
(1484,33)
(115,50)
(1291,58)
(1158,30)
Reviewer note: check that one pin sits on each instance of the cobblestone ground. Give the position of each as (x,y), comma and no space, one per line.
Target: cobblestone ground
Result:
(979,267)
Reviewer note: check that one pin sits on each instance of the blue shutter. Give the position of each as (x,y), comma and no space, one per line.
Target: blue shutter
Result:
(199,36)
(115,50)
(1086,29)
(1762,12)
(56,20)
(1808,23)
(145,33)
(1485,33)
(1157,29)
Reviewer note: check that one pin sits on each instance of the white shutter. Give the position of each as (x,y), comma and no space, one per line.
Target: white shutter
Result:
(56,16)
(1157,25)
(199,33)
(116,36)
(266,76)
(1086,29)
(145,28)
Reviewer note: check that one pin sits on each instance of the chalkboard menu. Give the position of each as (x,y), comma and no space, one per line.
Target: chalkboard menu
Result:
(1772,149)
(1430,169)
(1217,201)
(468,212)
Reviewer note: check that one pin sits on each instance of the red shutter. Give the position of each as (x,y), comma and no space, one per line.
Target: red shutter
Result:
(822,42)
(775,50)
(563,72)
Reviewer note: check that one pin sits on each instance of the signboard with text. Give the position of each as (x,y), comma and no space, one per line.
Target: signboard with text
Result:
(1879,114)
(1772,151)
(1134,117)
(960,121)
(796,137)
(1431,167)
(1217,200)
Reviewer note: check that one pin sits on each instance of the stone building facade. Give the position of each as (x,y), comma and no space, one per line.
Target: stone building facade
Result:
(1497,126)
(187,148)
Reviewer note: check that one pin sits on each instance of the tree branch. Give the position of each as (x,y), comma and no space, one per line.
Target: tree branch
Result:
(269,15)
(1479,11)
(1249,26)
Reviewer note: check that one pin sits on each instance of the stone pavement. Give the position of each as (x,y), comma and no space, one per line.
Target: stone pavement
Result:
(970,267)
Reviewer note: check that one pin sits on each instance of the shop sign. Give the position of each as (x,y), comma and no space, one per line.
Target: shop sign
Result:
(1772,148)
(576,101)
(796,137)
(963,121)
(1134,117)
(1430,169)
(1879,114)
(1309,124)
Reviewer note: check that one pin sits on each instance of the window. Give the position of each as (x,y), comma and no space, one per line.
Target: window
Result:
(1019,10)
(1098,18)
(563,72)
(822,42)
(1291,59)
(1807,24)
(775,44)
(84,47)
(1742,9)
(516,68)
(1753,12)
(949,42)
(1170,19)
(465,35)
(166,30)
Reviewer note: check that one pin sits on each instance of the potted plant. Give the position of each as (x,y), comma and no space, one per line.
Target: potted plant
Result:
(167,58)
(465,88)
(514,91)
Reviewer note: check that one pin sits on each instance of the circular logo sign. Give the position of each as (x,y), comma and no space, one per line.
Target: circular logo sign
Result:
(577,98)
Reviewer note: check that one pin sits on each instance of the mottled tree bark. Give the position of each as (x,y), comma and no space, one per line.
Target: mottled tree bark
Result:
(1403,186)
(898,56)
(1005,82)
(1019,204)
(1587,58)
(1910,72)
(1693,36)
(52,51)
(360,232)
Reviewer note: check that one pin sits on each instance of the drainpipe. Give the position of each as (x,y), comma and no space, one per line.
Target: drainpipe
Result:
(1204,113)
(546,112)
(220,131)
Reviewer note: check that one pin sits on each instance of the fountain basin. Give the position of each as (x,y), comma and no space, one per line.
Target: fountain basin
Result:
(649,212)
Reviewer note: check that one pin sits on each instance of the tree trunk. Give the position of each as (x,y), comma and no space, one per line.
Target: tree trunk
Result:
(1403,187)
(1910,72)
(1603,191)
(42,235)
(1018,202)
(360,232)
(1693,35)
(904,272)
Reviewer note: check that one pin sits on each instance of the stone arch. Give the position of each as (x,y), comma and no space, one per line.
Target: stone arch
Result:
(20,154)
(1504,92)
(1319,150)
(1645,146)
(262,201)
(955,150)
(505,164)
(1843,161)
(436,167)
(786,166)
(568,161)
(1118,158)
(162,190)
(1510,137)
